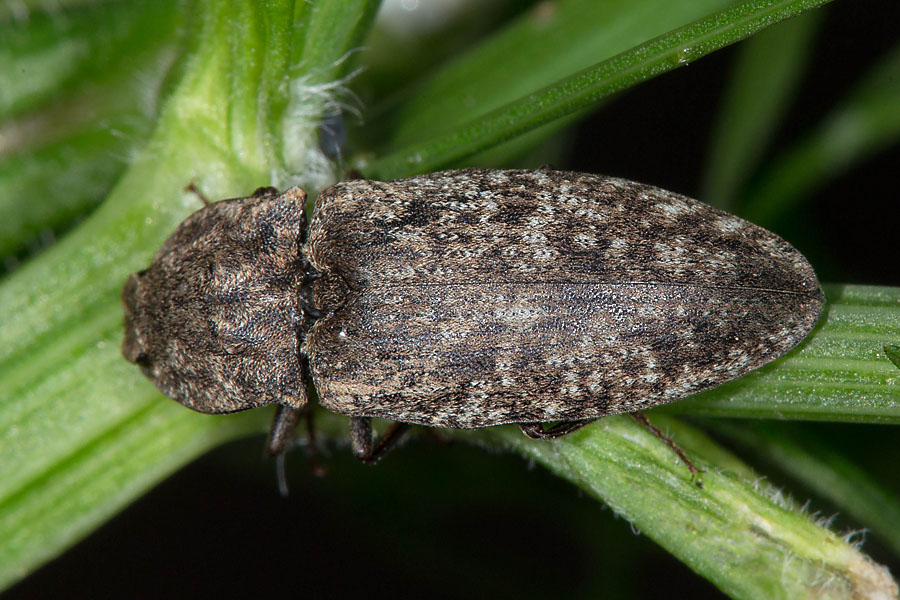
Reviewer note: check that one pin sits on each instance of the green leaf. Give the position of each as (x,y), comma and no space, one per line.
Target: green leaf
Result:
(764,79)
(48,54)
(587,87)
(526,55)
(866,121)
(54,173)
(529,54)
(78,120)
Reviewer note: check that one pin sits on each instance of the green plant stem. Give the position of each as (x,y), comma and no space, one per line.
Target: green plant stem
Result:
(70,407)
(78,493)
(830,474)
(734,532)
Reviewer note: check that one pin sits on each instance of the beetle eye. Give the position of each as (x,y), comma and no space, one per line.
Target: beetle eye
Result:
(142,272)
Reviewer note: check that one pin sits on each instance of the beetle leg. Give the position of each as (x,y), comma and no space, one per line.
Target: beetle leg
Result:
(361,436)
(365,447)
(282,430)
(536,431)
(641,418)
(280,436)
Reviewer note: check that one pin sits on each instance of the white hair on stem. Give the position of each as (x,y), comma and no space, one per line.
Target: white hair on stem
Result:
(303,162)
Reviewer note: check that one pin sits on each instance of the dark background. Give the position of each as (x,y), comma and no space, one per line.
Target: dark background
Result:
(452,521)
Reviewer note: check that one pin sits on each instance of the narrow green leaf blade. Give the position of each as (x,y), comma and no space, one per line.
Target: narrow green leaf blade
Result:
(583,89)
(531,53)
(765,76)
(866,121)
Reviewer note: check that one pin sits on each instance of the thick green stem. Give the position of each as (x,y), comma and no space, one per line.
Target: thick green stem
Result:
(84,433)
(735,531)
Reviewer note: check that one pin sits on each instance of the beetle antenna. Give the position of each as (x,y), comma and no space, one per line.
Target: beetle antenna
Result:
(196,191)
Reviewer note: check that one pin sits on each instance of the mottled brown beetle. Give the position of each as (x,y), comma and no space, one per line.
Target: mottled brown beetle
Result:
(463,299)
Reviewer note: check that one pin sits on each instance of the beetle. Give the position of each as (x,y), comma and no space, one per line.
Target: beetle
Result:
(463,299)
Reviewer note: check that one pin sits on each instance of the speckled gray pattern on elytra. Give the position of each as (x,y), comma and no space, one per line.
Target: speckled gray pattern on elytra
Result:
(473,298)
(466,299)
